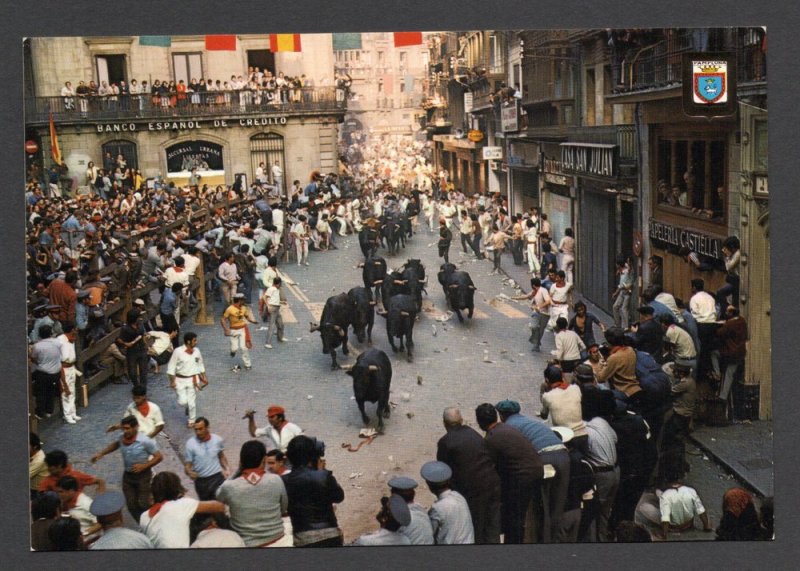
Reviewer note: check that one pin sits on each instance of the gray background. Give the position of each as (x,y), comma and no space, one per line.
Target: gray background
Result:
(84,18)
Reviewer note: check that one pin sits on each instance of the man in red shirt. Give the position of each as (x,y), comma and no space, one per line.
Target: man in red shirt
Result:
(62,292)
(59,466)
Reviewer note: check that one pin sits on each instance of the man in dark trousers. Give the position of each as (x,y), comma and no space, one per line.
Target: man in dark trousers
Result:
(474,474)
(520,468)
(445,237)
(131,337)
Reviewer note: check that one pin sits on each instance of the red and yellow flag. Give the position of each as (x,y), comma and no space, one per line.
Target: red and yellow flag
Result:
(221,43)
(284,43)
(54,150)
(402,39)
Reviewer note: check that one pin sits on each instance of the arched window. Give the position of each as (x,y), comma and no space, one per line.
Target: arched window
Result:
(125,148)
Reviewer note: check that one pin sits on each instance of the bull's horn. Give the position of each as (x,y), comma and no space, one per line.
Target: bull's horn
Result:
(373,368)
(377,263)
(378,282)
(472,287)
(405,282)
(373,302)
(398,282)
(337,328)
(422,281)
(453,285)
(404,313)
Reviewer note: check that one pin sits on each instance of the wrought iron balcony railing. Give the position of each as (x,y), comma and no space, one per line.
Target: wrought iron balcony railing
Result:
(76,109)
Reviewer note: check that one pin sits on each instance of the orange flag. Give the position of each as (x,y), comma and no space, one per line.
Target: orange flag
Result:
(54,150)
(284,43)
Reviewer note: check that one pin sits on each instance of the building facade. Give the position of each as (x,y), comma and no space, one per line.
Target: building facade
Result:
(224,134)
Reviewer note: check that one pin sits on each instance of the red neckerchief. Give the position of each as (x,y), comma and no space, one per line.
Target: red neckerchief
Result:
(128,441)
(561,385)
(253,475)
(178,270)
(617,348)
(72,503)
(155,508)
(189,350)
(144,408)
(206,439)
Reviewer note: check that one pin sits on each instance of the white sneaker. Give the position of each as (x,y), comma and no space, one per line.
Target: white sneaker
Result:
(268,346)
(69,420)
(306,264)
(76,417)
(283,339)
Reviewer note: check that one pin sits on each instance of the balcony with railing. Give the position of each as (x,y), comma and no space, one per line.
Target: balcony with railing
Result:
(77,110)
(658,65)
(623,136)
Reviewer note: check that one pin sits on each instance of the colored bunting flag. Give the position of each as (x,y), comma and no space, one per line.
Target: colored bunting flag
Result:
(346,42)
(221,43)
(160,41)
(54,150)
(284,43)
(407,39)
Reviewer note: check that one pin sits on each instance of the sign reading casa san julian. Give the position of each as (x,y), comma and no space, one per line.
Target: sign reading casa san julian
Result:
(188,125)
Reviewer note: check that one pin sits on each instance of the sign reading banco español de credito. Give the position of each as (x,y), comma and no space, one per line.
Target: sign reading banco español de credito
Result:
(189,125)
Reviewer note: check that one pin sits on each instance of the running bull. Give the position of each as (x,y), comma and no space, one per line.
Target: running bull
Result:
(458,290)
(400,316)
(336,318)
(372,379)
(363,312)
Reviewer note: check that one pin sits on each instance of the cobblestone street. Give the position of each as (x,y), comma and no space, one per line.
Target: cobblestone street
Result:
(485,360)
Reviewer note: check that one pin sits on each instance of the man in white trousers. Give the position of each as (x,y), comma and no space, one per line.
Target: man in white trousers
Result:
(68,373)
(187,374)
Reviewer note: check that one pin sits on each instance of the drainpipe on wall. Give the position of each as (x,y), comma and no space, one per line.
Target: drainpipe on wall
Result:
(639,199)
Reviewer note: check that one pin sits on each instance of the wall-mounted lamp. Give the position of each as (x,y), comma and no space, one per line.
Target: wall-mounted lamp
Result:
(745,219)
(743,259)
(743,299)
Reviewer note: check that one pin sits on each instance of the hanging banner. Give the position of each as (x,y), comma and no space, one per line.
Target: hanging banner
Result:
(202,155)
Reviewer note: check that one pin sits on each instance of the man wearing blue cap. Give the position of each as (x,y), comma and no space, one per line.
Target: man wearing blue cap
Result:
(107,508)
(418,530)
(450,517)
(394,514)
(474,474)
(552,451)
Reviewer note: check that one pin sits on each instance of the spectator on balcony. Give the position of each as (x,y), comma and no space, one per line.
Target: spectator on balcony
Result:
(69,96)
(180,90)
(103,92)
(124,95)
(82,91)
(113,96)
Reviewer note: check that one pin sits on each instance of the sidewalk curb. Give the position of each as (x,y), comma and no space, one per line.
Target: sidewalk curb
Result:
(738,474)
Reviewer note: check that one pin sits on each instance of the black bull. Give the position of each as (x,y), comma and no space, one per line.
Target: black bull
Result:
(336,318)
(372,380)
(364,313)
(400,315)
(374,273)
(458,290)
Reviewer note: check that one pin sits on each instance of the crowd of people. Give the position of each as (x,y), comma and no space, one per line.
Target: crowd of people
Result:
(608,465)
(256,88)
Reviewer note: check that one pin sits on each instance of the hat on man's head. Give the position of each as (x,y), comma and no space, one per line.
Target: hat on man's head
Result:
(584,371)
(52,307)
(83,294)
(238,296)
(398,508)
(436,472)
(107,504)
(139,301)
(564,433)
(402,483)
(508,407)
(40,308)
(646,310)
(275,409)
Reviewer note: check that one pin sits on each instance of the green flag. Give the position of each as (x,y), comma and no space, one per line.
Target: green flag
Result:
(160,41)
(346,42)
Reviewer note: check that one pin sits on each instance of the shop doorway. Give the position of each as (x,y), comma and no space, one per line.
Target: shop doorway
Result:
(268,148)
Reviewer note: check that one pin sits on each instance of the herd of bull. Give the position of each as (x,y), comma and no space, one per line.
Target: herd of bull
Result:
(400,295)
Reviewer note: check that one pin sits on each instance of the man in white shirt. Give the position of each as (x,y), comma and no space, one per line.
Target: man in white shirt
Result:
(187,374)
(568,346)
(77,505)
(280,430)
(230,277)
(273,301)
(69,373)
(277,175)
(261,175)
(672,509)
(703,307)
(151,420)
(300,233)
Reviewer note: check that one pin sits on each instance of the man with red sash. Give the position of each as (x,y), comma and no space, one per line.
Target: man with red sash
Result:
(187,374)
(234,323)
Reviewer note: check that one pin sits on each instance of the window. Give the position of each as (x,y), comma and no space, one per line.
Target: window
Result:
(122,147)
(187,67)
(691,175)
(760,132)
(110,69)
(381,59)
(403,60)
